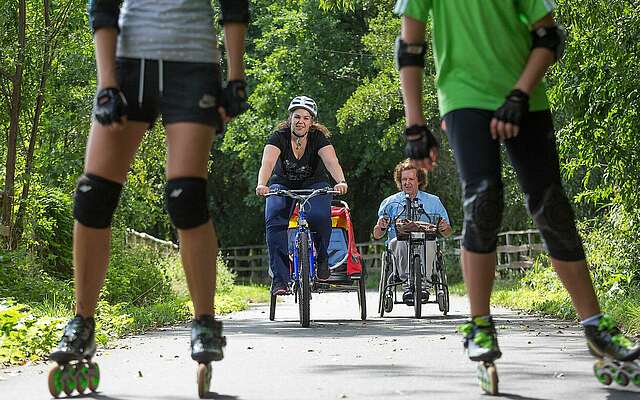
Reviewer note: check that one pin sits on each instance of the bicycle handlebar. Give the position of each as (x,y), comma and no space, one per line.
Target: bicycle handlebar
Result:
(302,194)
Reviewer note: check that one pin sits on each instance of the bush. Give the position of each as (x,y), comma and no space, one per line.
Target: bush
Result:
(23,336)
(24,278)
(137,274)
(49,231)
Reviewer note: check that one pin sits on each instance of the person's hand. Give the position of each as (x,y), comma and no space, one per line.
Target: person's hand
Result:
(341,187)
(110,107)
(507,119)
(421,147)
(262,190)
(383,223)
(233,100)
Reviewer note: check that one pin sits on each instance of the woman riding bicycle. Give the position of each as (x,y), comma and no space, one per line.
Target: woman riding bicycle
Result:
(297,156)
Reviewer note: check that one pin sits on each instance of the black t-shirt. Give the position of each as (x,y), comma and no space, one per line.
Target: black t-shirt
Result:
(294,173)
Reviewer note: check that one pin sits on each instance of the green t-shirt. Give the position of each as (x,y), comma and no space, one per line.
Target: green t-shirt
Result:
(480,47)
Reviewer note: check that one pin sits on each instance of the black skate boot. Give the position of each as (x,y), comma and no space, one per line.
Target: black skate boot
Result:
(206,346)
(617,355)
(207,340)
(481,344)
(74,369)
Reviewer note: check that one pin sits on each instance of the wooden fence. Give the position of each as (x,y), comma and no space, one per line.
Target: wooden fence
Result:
(515,253)
(163,246)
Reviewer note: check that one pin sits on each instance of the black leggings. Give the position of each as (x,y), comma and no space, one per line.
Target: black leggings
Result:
(534,157)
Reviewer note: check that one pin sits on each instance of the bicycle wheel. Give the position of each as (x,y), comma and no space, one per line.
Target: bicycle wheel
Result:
(362,297)
(417,285)
(272,307)
(305,286)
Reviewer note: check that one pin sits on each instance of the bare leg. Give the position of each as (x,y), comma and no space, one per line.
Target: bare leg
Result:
(109,154)
(188,155)
(577,280)
(479,271)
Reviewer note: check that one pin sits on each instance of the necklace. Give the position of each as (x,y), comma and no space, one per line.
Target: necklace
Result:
(298,138)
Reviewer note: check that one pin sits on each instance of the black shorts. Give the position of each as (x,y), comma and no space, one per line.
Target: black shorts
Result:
(180,91)
(532,153)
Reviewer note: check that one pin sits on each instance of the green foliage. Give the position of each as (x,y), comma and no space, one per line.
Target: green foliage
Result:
(137,275)
(23,336)
(614,253)
(50,228)
(596,99)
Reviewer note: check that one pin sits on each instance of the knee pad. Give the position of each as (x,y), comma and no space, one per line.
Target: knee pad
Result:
(95,201)
(187,202)
(553,215)
(483,205)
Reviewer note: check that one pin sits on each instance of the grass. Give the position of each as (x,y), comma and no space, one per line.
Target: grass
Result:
(513,294)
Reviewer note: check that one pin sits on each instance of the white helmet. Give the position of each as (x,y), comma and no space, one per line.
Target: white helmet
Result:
(304,102)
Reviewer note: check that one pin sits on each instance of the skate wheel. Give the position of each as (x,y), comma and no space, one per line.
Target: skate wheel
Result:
(55,381)
(604,377)
(622,378)
(488,377)
(82,380)
(68,379)
(93,376)
(636,379)
(204,379)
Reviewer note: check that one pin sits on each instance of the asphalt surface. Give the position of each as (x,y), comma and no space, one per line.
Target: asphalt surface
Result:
(342,357)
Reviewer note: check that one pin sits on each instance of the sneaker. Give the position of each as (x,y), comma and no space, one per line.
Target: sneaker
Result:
(407,297)
(605,339)
(278,289)
(480,339)
(323,269)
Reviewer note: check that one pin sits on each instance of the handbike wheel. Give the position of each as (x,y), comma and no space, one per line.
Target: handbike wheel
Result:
(305,286)
(382,285)
(417,286)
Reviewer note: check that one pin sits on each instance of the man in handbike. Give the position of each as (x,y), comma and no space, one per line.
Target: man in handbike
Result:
(409,180)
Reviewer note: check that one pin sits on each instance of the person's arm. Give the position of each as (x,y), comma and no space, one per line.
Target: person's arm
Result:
(330,160)
(412,35)
(234,18)
(110,103)
(380,228)
(269,157)
(539,61)
(412,32)
(105,41)
(444,228)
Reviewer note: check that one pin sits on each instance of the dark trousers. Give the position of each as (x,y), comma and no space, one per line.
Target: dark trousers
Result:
(276,214)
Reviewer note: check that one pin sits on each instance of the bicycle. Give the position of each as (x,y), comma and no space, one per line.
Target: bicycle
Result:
(417,233)
(303,271)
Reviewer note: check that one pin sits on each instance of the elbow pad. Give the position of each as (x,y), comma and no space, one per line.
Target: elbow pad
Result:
(409,54)
(234,11)
(550,37)
(103,13)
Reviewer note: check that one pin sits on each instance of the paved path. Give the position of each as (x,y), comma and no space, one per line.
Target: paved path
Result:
(341,357)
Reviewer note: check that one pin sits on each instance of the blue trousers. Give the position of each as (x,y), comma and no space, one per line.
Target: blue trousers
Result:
(276,214)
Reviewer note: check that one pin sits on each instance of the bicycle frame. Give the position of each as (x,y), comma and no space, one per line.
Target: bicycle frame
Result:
(301,198)
(303,227)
